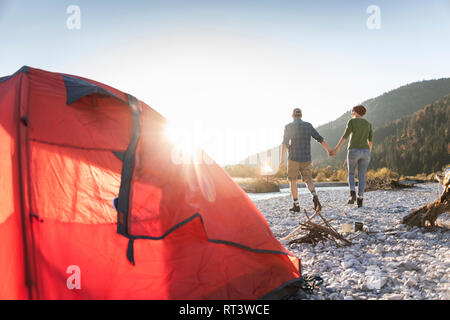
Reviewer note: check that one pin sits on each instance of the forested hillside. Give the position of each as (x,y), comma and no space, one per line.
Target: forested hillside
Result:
(419,143)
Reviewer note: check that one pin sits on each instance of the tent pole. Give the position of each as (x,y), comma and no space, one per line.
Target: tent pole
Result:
(25,218)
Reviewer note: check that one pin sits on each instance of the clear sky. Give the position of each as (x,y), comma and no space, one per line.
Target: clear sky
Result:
(228,73)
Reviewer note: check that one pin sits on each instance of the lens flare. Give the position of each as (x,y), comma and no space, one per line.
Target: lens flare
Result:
(266,169)
(180,139)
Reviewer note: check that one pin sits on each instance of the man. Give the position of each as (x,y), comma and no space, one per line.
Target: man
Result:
(299,134)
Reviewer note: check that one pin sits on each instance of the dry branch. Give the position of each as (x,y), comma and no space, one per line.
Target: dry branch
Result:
(316,232)
(428,214)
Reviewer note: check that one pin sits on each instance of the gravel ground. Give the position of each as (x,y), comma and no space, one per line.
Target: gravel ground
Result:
(407,263)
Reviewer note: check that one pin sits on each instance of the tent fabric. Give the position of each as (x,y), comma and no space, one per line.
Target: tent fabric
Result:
(79,88)
(23,69)
(95,207)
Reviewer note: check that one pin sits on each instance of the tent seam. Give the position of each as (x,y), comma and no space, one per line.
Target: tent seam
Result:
(218,241)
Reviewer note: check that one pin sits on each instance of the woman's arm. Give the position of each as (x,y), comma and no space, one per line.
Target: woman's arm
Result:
(339,145)
(370,138)
(348,131)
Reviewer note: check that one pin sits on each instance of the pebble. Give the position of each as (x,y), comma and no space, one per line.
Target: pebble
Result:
(347,263)
(407,266)
(381,237)
(334,296)
(411,282)
(393,296)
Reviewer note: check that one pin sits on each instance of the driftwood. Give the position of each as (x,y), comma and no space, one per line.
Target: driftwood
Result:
(313,233)
(427,215)
(260,186)
(386,184)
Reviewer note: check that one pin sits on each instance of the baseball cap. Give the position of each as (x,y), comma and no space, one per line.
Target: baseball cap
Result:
(297,112)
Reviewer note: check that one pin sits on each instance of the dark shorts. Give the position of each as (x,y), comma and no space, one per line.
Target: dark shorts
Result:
(304,168)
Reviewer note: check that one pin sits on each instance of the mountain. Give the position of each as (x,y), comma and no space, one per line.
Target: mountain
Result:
(390,106)
(402,130)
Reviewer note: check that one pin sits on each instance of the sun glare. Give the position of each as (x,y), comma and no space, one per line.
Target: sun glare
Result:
(266,169)
(188,144)
(181,139)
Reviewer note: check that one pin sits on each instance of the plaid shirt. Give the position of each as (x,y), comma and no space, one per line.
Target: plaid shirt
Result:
(299,133)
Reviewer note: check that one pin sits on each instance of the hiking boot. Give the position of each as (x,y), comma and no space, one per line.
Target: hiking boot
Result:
(352,198)
(360,202)
(295,208)
(317,205)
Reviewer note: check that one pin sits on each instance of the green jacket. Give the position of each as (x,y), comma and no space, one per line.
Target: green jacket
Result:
(361,132)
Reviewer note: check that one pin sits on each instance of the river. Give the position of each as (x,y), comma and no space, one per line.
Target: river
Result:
(286,191)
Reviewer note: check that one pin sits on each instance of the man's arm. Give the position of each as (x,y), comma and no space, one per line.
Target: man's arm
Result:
(326,147)
(283,152)
(320,139)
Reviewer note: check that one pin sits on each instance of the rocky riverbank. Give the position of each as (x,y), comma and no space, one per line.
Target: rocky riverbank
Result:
(404,263)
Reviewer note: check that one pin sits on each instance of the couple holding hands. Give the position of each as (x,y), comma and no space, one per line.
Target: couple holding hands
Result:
(297,139)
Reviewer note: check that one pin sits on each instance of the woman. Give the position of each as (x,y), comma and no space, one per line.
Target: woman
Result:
(359,151)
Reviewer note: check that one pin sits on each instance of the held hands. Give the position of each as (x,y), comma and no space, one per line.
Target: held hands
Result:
(332,153)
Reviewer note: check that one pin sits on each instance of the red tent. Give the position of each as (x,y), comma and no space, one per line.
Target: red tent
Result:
(94,207)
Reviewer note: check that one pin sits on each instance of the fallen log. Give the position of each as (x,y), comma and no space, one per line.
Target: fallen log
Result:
(387,184)
(427,215)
